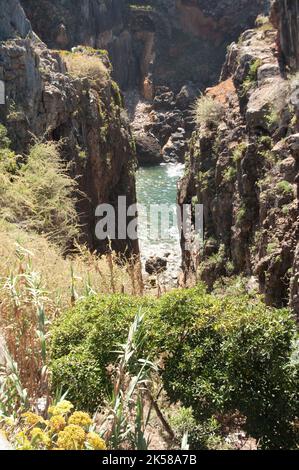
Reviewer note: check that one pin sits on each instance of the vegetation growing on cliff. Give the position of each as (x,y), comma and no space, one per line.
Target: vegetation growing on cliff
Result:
(37,194)
(88,64)
(207,111)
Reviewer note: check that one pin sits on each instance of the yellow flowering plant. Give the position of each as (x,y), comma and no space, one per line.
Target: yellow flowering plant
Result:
(81,419)
(63,430)
(62,408)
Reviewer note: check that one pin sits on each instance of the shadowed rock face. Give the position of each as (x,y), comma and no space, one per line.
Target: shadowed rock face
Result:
(158,42)
(285,15)
(13,20)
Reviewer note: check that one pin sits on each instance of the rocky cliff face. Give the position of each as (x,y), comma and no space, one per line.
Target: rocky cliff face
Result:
(285,16)
(101,24)
(85,116)
(168,50)
(13,21)
(153,42)
(244,169)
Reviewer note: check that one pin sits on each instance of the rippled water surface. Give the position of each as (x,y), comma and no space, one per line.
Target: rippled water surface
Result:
(156,186)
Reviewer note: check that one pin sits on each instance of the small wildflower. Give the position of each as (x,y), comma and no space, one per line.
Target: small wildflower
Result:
(32,419)
(72,438)
(62,408)
(57,423)
(95,441)
(40,437)
(80,419)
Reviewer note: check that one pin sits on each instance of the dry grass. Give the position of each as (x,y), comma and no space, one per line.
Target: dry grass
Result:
(66,277)
(36,284)
(207,111)
(80,65)
(39,195)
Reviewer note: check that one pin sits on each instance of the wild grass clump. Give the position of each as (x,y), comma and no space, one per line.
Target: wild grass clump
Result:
(67,279)
(207,111)
(80,65)
(39,195)
(36,285)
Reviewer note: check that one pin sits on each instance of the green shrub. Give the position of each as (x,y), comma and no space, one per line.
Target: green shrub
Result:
(85,64)
(201,436)
(239,152)
(91,332)
(232,354)
(4,140)
(220,354)
(79,374)
(285,188)
(241,213)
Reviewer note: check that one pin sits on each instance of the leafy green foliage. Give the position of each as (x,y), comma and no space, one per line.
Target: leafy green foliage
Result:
(88,334)
(220,354)
(285,188)
(204,436)
(4,140)
(232,354)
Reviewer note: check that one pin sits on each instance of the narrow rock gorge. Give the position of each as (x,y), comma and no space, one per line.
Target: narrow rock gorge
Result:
(161,54)
(129,330)
(167,51)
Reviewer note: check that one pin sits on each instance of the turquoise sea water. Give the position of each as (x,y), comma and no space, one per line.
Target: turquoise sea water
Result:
(157,186)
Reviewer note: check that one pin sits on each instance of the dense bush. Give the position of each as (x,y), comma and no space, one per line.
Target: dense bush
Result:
(84,342)
(232,354)
(220,355)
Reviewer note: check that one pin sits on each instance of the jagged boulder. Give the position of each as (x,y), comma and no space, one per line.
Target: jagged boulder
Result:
(148,149)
